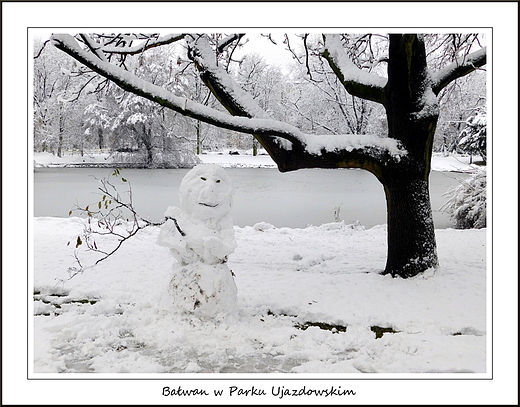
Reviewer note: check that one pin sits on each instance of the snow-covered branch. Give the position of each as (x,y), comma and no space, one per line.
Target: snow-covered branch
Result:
(94,46)
(226,89)
(331,143)
(225,42)
(241,103)
(458,69)
(357,82)
(289,147)
(130,82)
(143,46)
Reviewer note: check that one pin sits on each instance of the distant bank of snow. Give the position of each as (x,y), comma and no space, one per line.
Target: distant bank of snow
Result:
(235,159)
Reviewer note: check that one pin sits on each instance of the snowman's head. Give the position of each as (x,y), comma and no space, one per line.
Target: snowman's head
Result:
(206,192)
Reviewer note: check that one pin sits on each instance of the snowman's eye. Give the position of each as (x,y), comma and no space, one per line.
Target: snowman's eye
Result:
(217,181)
(203,179)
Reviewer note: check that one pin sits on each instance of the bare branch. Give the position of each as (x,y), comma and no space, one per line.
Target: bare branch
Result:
(287,42)
(307,55)
(109,219)
(41,49)
(269,37)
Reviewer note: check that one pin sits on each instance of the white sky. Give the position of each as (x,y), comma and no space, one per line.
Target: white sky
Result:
(273,54)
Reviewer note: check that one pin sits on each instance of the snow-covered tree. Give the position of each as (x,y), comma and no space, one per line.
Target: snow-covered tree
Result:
(459,99)
(56,124)
(264,83)
(408,91)
(467,202)
(474,135)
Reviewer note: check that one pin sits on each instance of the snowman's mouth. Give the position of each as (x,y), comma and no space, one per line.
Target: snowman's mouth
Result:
(208,205)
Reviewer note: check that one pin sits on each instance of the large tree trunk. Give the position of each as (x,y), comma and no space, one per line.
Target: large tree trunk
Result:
(412,114)
(411,234)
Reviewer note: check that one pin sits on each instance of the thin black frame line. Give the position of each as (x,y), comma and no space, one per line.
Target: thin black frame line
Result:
(282,378)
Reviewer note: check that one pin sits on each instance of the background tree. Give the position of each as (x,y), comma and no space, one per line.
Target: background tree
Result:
(460,98)
(473,137)
(343,112)
(56,125)
(264,83)
(400,160)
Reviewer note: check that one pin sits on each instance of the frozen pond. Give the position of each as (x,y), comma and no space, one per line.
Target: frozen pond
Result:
(295,199)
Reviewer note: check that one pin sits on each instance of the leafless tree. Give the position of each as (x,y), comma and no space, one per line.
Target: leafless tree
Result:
(400,160)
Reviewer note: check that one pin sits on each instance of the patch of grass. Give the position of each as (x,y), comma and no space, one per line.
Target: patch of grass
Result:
(51,299)
(83,301)
(303,326)
(45,314)
(271,313)
(322,325)
(59,294)
(379,331)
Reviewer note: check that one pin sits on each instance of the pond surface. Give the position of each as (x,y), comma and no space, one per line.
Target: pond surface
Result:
(296,199)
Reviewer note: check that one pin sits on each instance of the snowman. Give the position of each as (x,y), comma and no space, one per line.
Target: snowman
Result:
(200,236)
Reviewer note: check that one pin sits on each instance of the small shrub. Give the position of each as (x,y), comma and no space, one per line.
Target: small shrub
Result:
(467,202)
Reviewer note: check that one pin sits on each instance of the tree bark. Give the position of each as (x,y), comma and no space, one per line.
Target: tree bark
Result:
(61,130)
(149,147)
(100,137)
(412,114)
(198,127)
(411,234)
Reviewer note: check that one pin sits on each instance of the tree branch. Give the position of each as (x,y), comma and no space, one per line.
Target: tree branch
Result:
(227,41)
(229,93)
(41,50)
(287,145)
(315,151)
(129,82)
(136,49)
(108,220)
(93,46)
(458,69)
(356,82)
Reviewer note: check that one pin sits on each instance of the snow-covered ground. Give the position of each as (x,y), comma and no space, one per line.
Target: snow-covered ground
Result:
(310,301)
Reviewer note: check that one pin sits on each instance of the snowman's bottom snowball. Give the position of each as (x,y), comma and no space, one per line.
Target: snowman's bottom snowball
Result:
(204,290)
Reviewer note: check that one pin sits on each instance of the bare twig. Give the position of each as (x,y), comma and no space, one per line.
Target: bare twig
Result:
(41,49)
(111,216)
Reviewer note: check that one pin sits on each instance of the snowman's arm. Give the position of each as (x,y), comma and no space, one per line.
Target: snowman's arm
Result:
(170,235)
(181,232)
(219,247)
